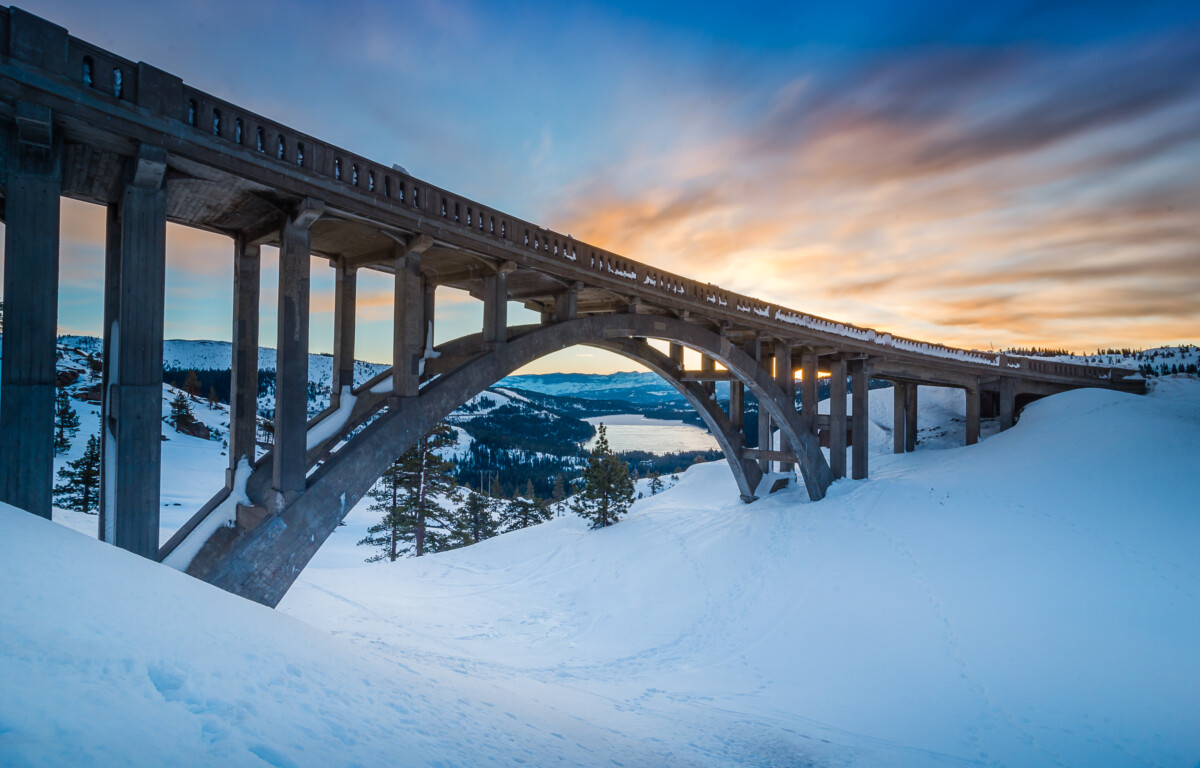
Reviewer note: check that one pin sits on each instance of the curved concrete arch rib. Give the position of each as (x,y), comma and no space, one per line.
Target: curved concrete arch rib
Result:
(262,563)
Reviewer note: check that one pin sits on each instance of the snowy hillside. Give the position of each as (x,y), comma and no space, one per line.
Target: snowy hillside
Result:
(1030,601)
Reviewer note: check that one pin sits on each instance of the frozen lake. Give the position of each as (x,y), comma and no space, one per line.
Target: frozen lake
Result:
(634,432)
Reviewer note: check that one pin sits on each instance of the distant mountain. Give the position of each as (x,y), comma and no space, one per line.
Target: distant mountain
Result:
(644,388)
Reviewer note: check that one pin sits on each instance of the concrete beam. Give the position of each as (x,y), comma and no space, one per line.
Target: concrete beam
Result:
(837,417)
(135,272)
(31,238)
(243,394)
(860,406)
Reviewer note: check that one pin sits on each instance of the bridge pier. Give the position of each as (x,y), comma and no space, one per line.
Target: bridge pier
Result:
(495,310)
(785,375)
(345,299)
(291,358)
(764,417)
(1007,403)
(837,417)
(135,274)
(860,408)
(910,417)
(972,397)
(243,379)
(899,422)
(31,238)
(408,334)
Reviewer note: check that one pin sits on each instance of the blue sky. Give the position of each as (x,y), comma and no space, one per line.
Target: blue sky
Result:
(1016,173)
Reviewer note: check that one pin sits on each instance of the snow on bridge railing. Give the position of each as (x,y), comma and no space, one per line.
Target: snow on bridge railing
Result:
(32,41)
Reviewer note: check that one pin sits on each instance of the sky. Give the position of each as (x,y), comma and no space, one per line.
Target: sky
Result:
(1012,174)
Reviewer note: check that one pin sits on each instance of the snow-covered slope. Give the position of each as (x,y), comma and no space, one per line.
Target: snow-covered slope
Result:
(1032,600)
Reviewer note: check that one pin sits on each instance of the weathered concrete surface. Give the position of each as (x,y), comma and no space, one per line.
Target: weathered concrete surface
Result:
(135,285)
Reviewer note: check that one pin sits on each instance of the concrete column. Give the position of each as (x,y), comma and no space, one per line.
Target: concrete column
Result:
(291,359)
(243,392)
(737,405)
(566,304)
(899,421)
(764,418)
(676,352)
(708,365)
(135,273)
(408,334)
(860,406)
(808,390)
(495,310)
(785,374)
(837,417)
(972,396)
(31,302)
(345,294)
(1007,403)
(910,417)
(430,313)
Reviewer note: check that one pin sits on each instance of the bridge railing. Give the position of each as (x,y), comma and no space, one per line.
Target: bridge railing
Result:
(35,42)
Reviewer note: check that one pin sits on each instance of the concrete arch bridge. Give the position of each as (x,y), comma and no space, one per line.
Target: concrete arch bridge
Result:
(82,122)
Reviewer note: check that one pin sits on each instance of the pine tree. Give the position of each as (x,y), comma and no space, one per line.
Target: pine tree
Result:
(80,487)
(474,521)
(407,496)
(607,488)
(181,412)
(66,421)
(524,511)
(656,484)
(560,492)
(191,384)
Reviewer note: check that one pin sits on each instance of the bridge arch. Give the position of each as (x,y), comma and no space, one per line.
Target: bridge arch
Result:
(261,563)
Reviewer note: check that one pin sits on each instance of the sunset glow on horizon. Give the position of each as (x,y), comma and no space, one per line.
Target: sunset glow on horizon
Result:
(1025,174)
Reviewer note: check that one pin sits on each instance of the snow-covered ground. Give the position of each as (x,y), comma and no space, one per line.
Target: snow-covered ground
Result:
(1031,600)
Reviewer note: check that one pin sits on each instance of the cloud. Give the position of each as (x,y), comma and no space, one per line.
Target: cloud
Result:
(944,191)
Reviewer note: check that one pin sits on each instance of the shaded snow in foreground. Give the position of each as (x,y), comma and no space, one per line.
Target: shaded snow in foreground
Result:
(1033,600)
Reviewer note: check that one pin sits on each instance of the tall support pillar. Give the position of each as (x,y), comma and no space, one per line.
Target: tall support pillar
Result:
(859,407)
(910,417)
(430,312)
(345,293)
(408,334)
(972,396)
(1007,403)
(566,304)
(709,366)
(243,395)
(135,273)
(31,297)
(495,309)
(764,418)
(676,353)
(737,405)
(837,417)
(785,374)
(291,357)
(899,419)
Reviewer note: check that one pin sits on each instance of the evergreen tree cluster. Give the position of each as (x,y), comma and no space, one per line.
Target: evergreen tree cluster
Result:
(79,486)
(607,488)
